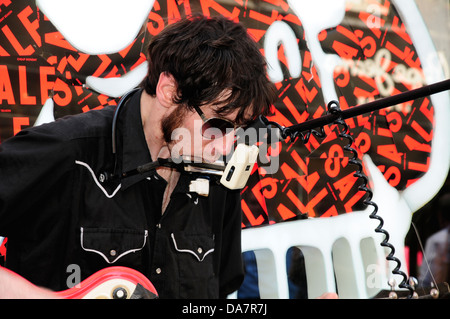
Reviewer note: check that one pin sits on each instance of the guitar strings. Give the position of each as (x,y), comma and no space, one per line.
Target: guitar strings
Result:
(423,253)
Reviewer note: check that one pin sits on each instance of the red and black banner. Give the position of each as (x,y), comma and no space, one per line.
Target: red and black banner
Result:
(315,178)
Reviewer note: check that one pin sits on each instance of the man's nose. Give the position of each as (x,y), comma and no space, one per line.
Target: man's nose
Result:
(225,144)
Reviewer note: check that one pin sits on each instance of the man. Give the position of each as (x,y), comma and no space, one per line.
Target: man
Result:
(67,198)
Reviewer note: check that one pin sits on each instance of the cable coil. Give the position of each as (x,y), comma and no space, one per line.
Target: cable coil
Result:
(334,108)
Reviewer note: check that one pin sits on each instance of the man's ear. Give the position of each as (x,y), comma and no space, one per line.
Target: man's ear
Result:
(166,89)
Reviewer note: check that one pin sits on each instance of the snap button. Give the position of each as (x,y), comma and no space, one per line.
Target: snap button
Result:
(199,250)
(158,271)
(119,293)
(112,252)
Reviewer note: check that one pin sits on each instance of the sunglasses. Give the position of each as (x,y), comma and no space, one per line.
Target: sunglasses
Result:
(211,125)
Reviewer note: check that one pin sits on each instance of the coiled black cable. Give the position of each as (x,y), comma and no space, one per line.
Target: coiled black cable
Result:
(334,108)
(335,111)
(287,132)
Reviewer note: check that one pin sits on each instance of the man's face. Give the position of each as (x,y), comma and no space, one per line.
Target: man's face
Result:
(182,131)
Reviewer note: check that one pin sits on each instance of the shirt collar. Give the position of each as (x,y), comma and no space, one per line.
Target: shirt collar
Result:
(135,151)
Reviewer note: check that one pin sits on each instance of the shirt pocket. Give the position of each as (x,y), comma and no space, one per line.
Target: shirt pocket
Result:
(198,246)
(114,245)
(195,263)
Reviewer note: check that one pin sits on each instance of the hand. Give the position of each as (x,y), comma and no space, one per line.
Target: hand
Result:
(13,286)
(328,295)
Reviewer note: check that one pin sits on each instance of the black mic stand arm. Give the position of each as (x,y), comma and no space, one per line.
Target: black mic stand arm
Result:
(331,117)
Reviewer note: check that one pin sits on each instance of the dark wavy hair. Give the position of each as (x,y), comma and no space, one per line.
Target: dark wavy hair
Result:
(206,56)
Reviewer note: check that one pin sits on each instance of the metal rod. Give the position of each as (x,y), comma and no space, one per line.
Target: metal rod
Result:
(373,106)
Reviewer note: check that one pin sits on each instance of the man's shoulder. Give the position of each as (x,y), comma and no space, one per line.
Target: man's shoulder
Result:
(95,123)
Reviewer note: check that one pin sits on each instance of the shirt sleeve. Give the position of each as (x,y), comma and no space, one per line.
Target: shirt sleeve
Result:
(30,164)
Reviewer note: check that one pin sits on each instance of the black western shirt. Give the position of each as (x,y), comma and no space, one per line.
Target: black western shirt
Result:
(59,212)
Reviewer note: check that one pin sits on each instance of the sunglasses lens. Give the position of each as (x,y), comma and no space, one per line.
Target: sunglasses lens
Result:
(215,126)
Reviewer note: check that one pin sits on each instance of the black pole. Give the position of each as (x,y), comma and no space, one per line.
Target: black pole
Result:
(372,106)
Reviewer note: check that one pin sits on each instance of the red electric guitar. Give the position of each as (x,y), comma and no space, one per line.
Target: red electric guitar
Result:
(111,283)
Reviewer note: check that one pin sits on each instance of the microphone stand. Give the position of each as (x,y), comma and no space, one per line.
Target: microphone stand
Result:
(331,117)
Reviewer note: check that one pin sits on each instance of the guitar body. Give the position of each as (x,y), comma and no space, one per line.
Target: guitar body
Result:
(112,283)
